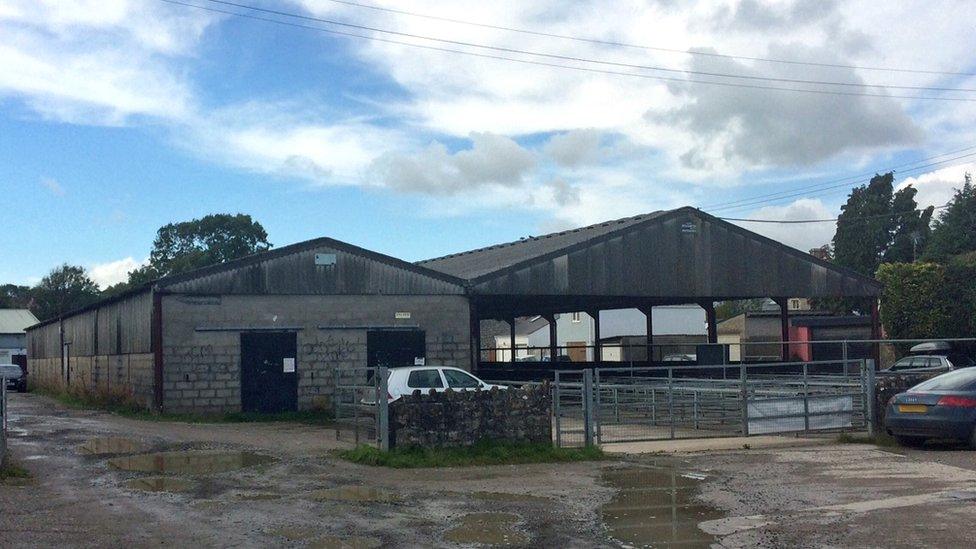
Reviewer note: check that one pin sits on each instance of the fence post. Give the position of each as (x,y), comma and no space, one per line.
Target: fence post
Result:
(588,407)
(671,400)
(599,405)
(844,356)
(806,398)
(744,397)
(870,394)
(555,408)
(383,409)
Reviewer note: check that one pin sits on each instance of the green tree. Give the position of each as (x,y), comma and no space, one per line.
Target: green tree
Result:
(954,232)
(958,296)
(189,245)
(13,296)
(912,304)
(865,226)
(64,289)
(910,231)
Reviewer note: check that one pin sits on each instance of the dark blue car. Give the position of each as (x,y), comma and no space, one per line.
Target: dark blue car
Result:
(943,407)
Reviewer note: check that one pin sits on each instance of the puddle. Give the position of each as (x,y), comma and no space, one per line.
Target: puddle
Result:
(355,494)
(655,507)
(293,533)
(112,445)
(160,484)
(354,542)
(512,498)
(189,463)
(487,529)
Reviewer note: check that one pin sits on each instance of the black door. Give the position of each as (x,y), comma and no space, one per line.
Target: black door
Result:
(269,372)
(392,348)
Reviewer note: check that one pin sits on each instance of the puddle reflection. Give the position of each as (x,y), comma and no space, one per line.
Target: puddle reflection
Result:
(189,463)
(655,507)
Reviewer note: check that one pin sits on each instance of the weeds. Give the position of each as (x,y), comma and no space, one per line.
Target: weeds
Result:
(877,440)
(12,471)
(485,452)
(126,407)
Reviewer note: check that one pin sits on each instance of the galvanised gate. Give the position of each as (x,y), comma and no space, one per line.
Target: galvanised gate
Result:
(607,405)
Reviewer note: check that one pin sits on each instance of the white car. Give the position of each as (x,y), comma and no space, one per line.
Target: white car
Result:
(404,381)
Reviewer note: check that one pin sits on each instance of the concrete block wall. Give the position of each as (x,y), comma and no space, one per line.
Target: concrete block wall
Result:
(201,340)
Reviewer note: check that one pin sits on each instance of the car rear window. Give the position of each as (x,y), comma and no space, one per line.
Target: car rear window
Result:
(958,380)
(425,379)
(460,380)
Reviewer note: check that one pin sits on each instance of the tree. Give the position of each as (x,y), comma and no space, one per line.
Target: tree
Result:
(865,226)
(182,247)
(911,227)
(64,289)
(912,303)
(13,296)
(955,230)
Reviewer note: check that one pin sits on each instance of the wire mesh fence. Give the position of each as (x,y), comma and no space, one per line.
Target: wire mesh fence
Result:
(654,403)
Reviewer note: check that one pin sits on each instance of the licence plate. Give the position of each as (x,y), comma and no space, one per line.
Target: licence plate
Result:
(912,408)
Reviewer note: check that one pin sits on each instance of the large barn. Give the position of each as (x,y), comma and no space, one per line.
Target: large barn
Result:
(265,333)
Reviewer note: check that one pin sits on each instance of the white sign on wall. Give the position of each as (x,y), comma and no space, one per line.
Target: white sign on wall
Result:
(401,315)
(288,365)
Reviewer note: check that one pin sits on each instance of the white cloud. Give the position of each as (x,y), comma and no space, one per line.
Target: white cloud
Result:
(113,272)
(802,236)
(53,186)
(938,187)
(575,147)
(491,160)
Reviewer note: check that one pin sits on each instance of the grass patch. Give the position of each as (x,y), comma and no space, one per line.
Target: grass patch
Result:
(882,439)
(12,471)
(483,453)
(127,408)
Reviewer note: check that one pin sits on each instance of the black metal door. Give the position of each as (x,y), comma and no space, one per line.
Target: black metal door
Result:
(392,348)
(269,372)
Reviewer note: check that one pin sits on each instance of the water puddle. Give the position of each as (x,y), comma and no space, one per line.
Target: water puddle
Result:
(189,463)
(487,529)
(354,542)
(655,507)
(355,494)
(103,446)
(160,484)
(503,497)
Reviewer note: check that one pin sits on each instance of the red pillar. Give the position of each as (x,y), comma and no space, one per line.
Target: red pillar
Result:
(784,326)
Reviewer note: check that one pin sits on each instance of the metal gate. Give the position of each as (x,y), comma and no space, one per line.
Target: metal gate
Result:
(359,406)
(656,403)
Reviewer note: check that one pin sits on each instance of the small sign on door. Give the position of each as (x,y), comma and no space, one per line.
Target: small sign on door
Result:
(288,365)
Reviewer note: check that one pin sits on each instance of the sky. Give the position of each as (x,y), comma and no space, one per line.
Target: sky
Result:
(119,116)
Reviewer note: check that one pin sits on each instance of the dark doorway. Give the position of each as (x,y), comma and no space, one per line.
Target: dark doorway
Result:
(392,348)
(269,372)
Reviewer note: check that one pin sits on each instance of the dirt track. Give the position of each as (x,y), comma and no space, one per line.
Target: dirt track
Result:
(294,493)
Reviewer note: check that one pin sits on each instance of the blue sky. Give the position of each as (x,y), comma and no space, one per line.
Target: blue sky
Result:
(119,116)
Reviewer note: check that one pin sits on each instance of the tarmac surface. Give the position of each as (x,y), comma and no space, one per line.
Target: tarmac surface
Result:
(103,480)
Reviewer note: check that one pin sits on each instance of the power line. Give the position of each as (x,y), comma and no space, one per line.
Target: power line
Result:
(824,184)
(833,219)
(578,59)
(644,46)
(572,58)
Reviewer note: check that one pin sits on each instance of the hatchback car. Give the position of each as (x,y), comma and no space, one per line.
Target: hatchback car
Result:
(942,407)
(404,381)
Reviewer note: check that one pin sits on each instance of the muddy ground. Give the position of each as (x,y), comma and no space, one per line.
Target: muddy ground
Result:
(103,480)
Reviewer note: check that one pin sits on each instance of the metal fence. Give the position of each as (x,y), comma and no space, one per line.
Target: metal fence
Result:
(654,403)
(360,407)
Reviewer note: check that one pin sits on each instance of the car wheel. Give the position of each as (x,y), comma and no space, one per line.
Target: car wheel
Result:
(911,442)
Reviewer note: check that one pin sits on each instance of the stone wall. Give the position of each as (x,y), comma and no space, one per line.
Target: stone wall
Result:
(201,340)
(463,418)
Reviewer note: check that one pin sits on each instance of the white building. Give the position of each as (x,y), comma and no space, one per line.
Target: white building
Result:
(13,339)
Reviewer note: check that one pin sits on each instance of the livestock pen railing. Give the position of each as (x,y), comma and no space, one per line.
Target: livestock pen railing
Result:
(359,406)
(636,404)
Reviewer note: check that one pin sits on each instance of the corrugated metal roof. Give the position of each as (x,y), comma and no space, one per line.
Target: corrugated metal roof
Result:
(14,321)
(472,264)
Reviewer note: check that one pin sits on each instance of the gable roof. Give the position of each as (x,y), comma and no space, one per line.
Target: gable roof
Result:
(15,321)
(649,255)
(473,264)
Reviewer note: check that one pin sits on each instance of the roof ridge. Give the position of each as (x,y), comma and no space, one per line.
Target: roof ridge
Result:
(541,237)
